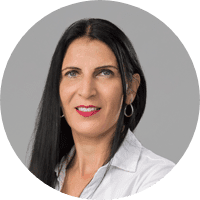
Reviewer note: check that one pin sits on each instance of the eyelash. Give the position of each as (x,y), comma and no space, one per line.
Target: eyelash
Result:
(104,70)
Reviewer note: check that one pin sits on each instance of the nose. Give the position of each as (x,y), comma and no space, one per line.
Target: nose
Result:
(87,88)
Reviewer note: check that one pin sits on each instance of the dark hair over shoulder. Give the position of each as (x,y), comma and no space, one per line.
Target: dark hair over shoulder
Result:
(53,137)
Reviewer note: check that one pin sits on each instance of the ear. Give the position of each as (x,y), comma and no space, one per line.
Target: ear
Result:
(132,89)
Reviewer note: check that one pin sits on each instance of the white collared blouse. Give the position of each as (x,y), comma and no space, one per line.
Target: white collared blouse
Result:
(132,169)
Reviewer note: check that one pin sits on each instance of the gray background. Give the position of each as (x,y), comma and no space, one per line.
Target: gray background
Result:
(170,118)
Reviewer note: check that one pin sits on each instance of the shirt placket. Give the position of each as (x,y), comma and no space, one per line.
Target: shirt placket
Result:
(89,190)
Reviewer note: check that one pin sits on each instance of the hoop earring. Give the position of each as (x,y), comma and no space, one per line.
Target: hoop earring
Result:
(132,110)
(61,116)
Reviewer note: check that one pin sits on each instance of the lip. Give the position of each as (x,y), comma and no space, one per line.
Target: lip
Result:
(87,114)
(88,106)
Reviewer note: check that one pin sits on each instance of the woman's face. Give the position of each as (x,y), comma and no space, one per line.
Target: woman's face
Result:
(90,77)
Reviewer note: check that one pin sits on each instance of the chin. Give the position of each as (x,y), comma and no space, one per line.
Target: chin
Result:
(89,129)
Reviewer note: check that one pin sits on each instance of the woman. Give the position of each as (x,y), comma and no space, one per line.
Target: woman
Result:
(94,97)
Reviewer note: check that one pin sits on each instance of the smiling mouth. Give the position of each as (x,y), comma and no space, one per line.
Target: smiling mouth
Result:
(87,111)
(84,109)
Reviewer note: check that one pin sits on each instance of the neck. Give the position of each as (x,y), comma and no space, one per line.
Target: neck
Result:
(91,152)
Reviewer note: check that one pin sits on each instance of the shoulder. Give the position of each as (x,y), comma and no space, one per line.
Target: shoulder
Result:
(148,158)
(152,168)
(146,161)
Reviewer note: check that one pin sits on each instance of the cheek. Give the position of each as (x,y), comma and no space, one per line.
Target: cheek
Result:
(67,94)
(64,93)
(114,96)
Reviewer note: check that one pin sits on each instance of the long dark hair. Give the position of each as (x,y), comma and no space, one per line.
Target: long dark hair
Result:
(53,136)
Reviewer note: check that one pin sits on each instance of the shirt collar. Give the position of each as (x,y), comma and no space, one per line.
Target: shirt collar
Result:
(126,158)
(64,162)
(128,154)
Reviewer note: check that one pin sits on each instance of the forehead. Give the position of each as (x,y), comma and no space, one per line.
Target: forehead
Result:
(90,52)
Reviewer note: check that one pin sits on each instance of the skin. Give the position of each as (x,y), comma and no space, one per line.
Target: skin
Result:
(90,85)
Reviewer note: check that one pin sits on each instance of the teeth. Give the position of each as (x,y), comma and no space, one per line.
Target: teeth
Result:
(87,109)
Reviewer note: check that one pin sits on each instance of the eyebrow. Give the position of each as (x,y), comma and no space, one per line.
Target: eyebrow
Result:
(100,67)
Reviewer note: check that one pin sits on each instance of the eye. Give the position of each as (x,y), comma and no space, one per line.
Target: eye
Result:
(106,72)
(71,74)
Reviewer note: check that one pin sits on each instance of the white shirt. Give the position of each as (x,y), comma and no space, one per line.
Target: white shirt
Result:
(133,169)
